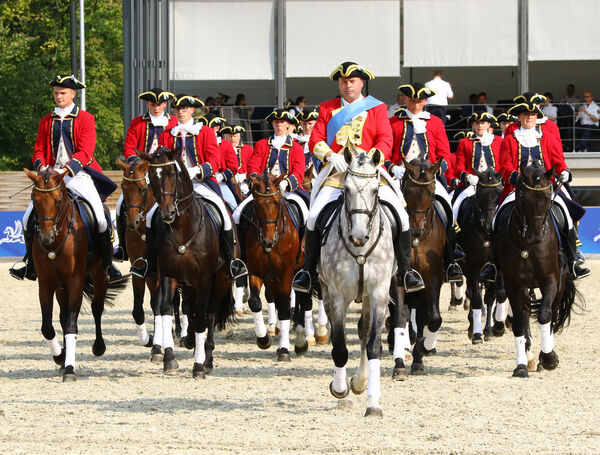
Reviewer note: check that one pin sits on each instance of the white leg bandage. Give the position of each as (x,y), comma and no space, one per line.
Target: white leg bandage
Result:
(546,338)
(199,354)
(339,379)
(239,298)
(509,310)
(309,328)
(374,379)
(54,346)
(413,319)
(167,330)
(142,333)
(284,337)
(477,321)
(185,323)
(322,316)
(272,313)
(500,313)
(70,343)
(158,331)
(259,325)
(399,344)
(406,338)
(292,299)
(520,346)
(459,291)
(430,338)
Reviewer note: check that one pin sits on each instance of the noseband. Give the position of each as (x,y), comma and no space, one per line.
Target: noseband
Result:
(370,213)
(56,221)
(176,201)
(278,231)
(525,227)
(141,216)
(423,231)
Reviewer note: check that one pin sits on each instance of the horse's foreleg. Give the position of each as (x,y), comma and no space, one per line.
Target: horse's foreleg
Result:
(305,330)
(475,328)
(418,321)
(156,353)
(378,304)
(548,358)
(75,294)
(176,313)
(282,304)
(100,288)
(321,335)
(167,289)
(433,319)
(358,383)
(139,289)
(488,301)
(200,323)
(336,311)
(46,296)
(399,336)
(519,302)
(263,339)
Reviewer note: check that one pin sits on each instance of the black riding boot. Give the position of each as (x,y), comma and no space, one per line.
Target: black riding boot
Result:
(27,271)
(120,254)
(235,266)
(406,275)
(106,250)
(145,267)
(576,263)
(307,278)
(453,271)
(488,272)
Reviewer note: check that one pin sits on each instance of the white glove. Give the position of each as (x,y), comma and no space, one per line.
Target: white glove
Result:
(42,169)
(398,172)
(472,179)
(220,177)
(62,170)
(283,185)
(564,176)
(193,171)
(240,178)
(338,162)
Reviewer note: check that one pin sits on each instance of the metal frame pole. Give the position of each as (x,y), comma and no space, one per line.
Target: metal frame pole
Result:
(280,58)
(73,11)
(523,83)
(82,50)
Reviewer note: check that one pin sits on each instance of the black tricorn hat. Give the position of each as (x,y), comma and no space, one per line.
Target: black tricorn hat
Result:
(506,117)
(281,114)
(530,97)
(416,91)
(351,69)
(232,129)
(305,116)
(482,117)
(223,96)
(69,81)
(463,134)
(186,101)
(526,107)
(211,120)
(155,95)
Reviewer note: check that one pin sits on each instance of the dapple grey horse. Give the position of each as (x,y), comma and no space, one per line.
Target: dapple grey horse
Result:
(357,262)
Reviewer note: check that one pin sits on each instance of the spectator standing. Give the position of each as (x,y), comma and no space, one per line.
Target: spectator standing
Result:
(438,103)
(467,109)
(550,110)
(400,102)
(587,118)
(571,99)
(482,99)
(298,107)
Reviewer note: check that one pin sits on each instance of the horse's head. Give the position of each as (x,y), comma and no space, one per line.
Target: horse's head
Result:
(135,190)
(361,189)
(307,182)
(164,171)
(418,186)
(268,207)
(487,193)
(533,196)
(48,198)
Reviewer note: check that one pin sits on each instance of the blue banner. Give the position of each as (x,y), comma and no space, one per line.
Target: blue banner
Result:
(11,234)
(589,231)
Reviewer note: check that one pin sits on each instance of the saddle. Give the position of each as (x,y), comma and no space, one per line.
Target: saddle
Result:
(88,217)
(395,223)
(442,213)
(214,214)
(466,211)
(296,216)
(326,216)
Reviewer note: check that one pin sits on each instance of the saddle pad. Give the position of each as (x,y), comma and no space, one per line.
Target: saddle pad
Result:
(503,217)
(465,214)
(439,208)
(391,215)
(214,214)
(295,215)
(87,216)
(325,218)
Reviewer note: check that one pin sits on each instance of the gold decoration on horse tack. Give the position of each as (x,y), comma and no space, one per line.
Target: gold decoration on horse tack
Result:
(361,259)
(524,254)
(51,255)
(416,242)
(486,243)
(181,249)
(144,237)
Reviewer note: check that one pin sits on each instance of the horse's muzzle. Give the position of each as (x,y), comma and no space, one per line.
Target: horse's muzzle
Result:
(46,239)
(359,243)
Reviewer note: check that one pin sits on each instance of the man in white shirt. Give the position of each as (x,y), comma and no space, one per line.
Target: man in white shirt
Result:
(438,103)
(549,109)
(400,102)
(482,99)
(588,120)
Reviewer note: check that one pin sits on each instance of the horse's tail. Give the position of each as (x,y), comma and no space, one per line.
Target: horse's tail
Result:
(113,290)
(226,311)
(571,296)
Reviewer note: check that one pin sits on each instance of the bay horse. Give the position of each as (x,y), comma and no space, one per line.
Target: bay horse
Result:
(357,262)
(427,256)
(67,266)
(475,237)
(526,249)
(274,254)
(188,254)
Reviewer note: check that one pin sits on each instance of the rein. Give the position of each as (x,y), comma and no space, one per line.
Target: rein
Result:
(56,221)
(143,208)
(429,211)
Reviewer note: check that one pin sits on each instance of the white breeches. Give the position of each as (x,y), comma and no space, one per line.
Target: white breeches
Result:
(119,204)
(558,200)
(237,214)
(228,195)
(83,186)
(470,191)
(207,194)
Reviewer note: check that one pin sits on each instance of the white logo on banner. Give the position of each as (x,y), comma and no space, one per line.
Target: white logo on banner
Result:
(13,235)
(596,238)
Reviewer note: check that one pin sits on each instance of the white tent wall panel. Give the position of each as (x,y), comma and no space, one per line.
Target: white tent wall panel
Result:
(224,39)
(564,30)
(322,34)
(442,33)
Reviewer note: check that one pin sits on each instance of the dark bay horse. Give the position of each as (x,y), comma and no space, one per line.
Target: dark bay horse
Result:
(188,254)
(475,237)
(526,249)
(428,239)
(67,267)
(274,254)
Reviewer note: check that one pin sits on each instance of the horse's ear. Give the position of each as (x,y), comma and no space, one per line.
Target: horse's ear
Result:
(414,170)
(550,172)
(254,180)
(122,164)
(32,175)
(60,176)
(376,158)
(143,166)
(436,167)
(145,157)
(278,180)
(347,155)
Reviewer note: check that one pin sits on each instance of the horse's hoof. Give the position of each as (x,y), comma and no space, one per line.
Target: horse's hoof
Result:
(400,373)
(99,348)
(339,395)
(283,355)
(182,342)
(520,371)
(356,390)
(156,354)
(421,349)
(453,307)
(508,322)
(169,361)
(322,336)
(498,329)
(239,313)
(417,368)
(470,333)
(477,338)
(150,342)
(487,333)
(310,339)
(299,350)
(548,361)
(264,342)
(60,358)
(69,374)
(198,371)
(271,329)
(374,412)
(208,366)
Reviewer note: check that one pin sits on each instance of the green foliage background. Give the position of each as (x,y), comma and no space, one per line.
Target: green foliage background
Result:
(34,47)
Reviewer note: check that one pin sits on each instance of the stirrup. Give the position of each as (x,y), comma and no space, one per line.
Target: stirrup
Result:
(119,254)
(490,279)
(415,289)
(296,282)
(12,270)
(458,279)
(585,272)
(240,266)
(139,271)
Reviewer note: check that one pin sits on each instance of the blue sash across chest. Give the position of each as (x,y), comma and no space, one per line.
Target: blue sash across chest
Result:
(347,114)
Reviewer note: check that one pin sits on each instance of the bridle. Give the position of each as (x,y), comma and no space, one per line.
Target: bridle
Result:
(278,230)
(370,213)
(478,209)
(424,230)
(141,216)
(517,211)
(177,201)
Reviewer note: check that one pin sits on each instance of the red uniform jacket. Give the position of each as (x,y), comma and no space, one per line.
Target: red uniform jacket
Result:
(229,162)
(291,160)
(375,133)
(468,155)
(79,135)
(548,128)
(436,143)
(202,150)
(141,134)
(511,155)
(243,154)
